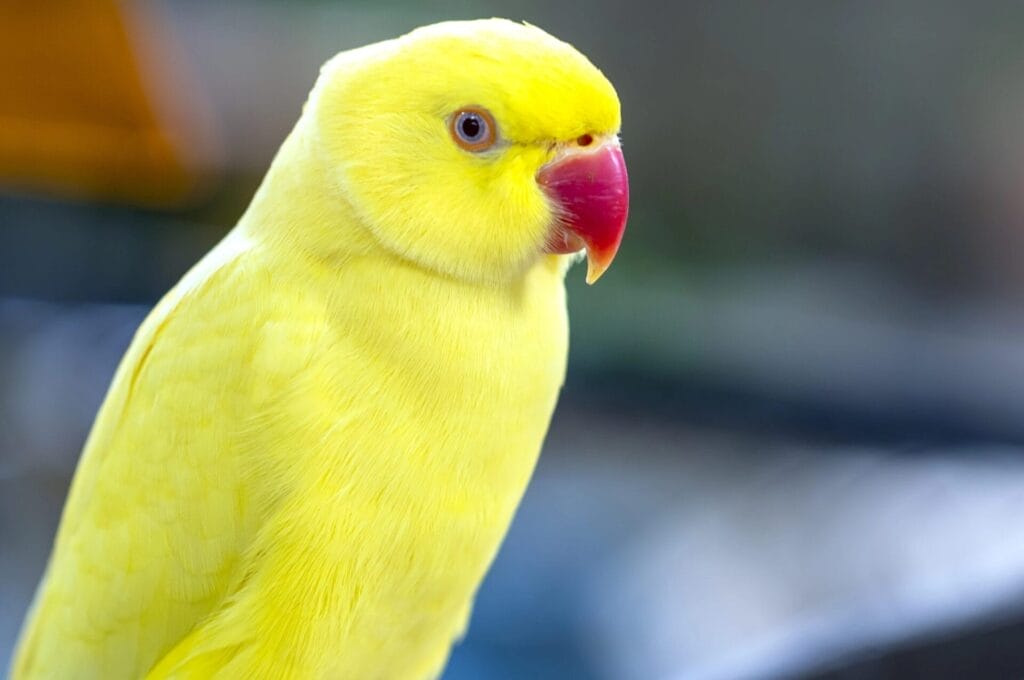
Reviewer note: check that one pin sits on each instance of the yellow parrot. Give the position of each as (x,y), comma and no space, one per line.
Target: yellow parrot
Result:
(315,444)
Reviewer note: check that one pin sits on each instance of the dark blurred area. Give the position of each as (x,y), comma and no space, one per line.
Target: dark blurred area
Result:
(790,441)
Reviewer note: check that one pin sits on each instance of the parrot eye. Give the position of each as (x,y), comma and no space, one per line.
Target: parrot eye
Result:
(473,128)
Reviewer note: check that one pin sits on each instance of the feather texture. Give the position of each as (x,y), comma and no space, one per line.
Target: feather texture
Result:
(312,449)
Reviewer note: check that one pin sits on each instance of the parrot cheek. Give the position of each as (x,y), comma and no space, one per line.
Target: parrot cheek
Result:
(591,190)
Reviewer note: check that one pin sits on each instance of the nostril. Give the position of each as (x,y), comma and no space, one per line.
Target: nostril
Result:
(584,140)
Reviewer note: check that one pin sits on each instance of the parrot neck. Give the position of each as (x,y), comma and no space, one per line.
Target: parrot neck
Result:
(298,206)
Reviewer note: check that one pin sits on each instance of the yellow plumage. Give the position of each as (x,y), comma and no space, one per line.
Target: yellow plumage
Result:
(312,450)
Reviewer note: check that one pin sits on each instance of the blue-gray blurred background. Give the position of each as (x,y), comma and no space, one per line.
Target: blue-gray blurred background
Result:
(790,444)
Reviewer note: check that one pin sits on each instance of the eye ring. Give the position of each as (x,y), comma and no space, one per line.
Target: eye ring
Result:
(473,128)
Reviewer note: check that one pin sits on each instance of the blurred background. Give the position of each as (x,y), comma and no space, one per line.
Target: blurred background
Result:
(790,444)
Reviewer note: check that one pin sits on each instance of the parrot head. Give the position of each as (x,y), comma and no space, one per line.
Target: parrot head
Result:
(475,148)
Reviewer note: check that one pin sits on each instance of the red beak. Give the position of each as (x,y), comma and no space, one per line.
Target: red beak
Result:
(592,192)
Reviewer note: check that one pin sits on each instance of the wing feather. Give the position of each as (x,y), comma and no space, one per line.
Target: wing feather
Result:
(158,512)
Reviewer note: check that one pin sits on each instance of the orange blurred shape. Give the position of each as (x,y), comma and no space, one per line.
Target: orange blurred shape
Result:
(94,103)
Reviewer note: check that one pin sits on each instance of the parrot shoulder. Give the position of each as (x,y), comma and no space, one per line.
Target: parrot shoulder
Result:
(159,512)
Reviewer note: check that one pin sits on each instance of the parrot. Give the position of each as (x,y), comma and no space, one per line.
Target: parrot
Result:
(316,441)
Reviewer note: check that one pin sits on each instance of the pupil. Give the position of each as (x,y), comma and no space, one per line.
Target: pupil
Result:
(471,126)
